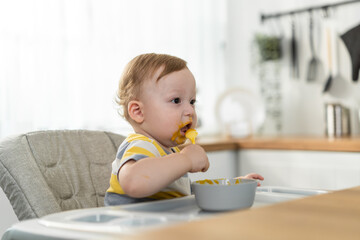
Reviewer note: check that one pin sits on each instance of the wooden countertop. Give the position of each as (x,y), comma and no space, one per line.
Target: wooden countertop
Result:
(329,216)
(349,144)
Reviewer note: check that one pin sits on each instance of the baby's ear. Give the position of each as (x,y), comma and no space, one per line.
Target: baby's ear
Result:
(135,109)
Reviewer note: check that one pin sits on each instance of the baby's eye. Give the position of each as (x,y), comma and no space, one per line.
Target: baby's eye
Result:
(192,102)
(176,100)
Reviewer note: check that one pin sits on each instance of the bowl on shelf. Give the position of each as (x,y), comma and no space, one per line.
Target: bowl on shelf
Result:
(224,194)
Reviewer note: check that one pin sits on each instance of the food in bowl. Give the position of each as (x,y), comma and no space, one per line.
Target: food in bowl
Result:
(224,194)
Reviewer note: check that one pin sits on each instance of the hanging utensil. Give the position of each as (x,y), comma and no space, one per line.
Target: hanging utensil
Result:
(339,88)
(314,64)
(328,33)
(294,53)
(351,39)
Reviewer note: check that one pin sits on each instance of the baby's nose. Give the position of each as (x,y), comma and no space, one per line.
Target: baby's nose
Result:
(189,110)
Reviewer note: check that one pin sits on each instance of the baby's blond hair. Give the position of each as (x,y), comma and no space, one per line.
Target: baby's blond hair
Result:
(140,69)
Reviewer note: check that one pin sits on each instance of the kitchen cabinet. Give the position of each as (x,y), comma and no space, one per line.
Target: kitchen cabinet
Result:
(222,164)
(303,162)
(302,169)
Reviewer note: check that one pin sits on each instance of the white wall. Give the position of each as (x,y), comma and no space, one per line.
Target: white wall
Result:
(303,103)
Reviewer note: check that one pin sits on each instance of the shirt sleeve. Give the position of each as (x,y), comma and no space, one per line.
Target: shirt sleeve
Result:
(138,150)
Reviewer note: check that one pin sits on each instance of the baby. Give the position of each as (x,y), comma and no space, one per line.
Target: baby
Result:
(157,95)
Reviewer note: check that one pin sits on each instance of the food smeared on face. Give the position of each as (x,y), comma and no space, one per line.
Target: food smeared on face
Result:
(179,135)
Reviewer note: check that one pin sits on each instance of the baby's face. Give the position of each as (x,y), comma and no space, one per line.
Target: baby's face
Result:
(169,107)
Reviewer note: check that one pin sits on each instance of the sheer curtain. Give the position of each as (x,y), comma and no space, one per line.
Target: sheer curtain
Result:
(60,61)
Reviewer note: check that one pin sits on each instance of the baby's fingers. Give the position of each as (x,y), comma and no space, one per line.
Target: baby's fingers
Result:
(254,176)
(206,167)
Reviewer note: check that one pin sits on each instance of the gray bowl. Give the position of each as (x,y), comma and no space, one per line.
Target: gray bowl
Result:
(224,194)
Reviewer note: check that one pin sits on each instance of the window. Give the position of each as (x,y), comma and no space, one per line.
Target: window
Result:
(60,61)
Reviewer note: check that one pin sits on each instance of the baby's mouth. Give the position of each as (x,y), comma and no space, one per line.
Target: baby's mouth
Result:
(179,135)
(185,128)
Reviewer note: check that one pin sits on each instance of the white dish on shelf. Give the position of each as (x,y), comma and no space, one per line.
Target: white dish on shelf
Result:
(240,112)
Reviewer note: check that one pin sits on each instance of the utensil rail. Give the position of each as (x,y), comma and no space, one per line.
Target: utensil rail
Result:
(265,17)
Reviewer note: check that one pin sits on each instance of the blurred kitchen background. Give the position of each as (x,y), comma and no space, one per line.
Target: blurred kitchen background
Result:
(61,61)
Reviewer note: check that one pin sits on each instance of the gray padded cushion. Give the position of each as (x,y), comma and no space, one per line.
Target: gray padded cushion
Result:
(51,171)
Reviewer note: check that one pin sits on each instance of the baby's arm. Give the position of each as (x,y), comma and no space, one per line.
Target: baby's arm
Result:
(148,176)
(253,176)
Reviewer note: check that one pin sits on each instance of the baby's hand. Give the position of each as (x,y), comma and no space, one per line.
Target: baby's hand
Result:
(253,176)
(197,157)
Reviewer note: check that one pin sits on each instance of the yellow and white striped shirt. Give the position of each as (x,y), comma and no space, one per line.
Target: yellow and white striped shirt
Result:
(136,147)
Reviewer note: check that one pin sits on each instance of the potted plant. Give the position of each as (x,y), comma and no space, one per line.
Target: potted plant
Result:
(269,47)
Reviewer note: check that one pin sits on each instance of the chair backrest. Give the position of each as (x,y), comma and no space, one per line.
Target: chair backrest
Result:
(45,172)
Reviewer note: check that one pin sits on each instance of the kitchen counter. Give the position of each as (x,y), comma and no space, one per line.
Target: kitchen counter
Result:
(349,144)
(335,215)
